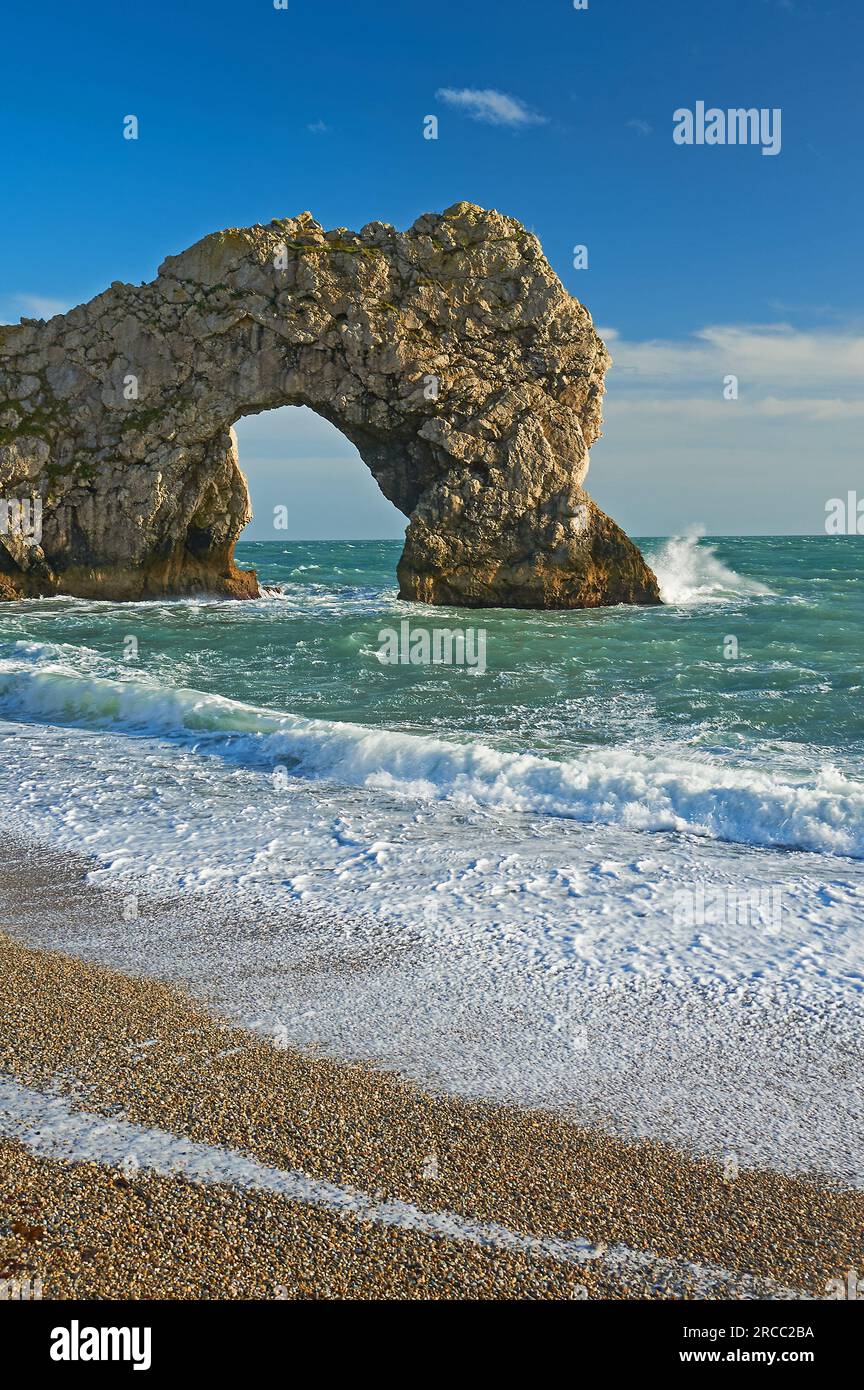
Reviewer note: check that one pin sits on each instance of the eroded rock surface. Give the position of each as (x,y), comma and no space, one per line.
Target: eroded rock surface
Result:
(450,355)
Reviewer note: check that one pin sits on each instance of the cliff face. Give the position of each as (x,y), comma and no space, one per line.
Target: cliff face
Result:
(450,355)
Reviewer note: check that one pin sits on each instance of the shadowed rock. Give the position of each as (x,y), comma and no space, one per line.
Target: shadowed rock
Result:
(450,355)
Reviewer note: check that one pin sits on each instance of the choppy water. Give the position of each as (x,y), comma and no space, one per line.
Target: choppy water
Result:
(601,761)
(478,879)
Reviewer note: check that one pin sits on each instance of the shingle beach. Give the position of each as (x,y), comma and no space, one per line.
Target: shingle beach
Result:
(126,1106)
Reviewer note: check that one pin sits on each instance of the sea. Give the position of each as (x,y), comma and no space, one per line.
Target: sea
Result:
(615,867)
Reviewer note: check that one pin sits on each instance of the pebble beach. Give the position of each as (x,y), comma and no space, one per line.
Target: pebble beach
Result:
(150,1149)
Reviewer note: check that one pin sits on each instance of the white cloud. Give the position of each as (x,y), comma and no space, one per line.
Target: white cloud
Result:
(699,409)
(766,358)
(642,127)
(817,408)
(675,450)
(489,106)
(38,306)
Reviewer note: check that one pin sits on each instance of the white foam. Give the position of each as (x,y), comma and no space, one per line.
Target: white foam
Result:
(49,1126)
(689,572)
(701,797)
(504,907)
(517,958)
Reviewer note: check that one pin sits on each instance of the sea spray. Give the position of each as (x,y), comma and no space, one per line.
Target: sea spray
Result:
(689,572)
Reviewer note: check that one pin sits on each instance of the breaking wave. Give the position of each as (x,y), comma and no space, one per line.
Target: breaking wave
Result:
(689,572)
(611,786)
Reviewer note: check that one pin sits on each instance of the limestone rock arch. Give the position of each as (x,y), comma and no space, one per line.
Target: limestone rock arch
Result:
(450,355)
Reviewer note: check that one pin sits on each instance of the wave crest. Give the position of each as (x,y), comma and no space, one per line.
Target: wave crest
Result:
(689,572)
(610,786)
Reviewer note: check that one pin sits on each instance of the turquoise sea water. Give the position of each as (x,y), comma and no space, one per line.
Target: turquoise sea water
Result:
(560,682)
(556,684)
(264,743)
(514,844)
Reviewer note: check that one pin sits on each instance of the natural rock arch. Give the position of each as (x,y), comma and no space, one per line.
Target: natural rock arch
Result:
(450,355)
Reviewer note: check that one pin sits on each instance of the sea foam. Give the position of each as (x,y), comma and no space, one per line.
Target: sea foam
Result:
(613,786)
(689,571)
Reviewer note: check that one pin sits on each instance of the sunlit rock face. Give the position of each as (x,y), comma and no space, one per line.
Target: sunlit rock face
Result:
(450,355)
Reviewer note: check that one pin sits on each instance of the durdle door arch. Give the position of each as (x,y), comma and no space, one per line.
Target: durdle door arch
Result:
(450,355)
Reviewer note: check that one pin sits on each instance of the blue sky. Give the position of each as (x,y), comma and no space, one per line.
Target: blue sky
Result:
(702,261)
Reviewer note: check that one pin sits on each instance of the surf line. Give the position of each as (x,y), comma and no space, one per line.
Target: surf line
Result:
(49,1126)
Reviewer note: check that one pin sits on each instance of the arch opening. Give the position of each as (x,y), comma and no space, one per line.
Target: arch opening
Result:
(307,482)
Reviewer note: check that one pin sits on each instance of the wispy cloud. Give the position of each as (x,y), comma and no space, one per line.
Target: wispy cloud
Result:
(641,127)
(701,410)
(680,443)
(489,106)
(318,127)
(767,358)
(37,305)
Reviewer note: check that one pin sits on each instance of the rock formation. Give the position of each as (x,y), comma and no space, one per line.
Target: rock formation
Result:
(450,355)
